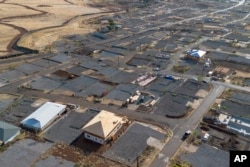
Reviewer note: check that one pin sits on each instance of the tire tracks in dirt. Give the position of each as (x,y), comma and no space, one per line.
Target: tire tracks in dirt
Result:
(69,2)
(13,43)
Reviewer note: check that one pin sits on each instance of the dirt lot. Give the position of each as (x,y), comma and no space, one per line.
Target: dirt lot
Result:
(75,155)
(240,78)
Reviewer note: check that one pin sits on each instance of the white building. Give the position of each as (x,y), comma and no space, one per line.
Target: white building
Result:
(195,54)
(102,127)
(43,116)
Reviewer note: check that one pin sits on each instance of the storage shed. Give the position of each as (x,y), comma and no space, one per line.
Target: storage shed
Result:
(43,116)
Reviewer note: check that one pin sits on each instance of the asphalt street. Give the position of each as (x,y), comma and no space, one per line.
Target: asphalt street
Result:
(183,125)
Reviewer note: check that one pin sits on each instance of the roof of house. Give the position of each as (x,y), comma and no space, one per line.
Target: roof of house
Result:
(196,53)
(7,131)
(43,115)
(102,124)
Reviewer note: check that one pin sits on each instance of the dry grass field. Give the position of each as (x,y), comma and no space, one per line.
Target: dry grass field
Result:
(35,24)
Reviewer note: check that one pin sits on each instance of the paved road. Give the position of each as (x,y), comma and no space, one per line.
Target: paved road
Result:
(228,85)
(143,117)
(187,124)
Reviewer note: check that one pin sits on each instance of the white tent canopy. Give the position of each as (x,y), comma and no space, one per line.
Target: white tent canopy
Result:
(40,118)
(196,53)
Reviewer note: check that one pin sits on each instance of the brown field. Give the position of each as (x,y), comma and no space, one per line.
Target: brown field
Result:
(40,23)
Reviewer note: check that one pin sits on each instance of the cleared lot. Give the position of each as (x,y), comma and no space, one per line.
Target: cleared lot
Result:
(6,100)
(173,105)
(205,155)
(53,161)
(61,58)
(43,83)
(16,113)
(28,68)
(23,153)
(132,143)
(235,108)
(161,86)
(11,75)
(80,83)
(178,97)
(45,63)
(69,127)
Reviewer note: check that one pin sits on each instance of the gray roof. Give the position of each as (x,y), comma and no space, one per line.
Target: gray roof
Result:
(7,131)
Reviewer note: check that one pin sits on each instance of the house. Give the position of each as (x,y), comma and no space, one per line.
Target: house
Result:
(43,116)
(195,54)
(8,132)
(102,127)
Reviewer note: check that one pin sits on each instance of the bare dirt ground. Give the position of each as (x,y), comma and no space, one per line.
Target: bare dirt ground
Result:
(242,74)
(239,78)
(7,96)
(39,23)
(75,155)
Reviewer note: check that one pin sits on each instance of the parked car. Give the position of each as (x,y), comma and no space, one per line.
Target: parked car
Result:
(205,137)
(186,134)
(170,77)
(156,69)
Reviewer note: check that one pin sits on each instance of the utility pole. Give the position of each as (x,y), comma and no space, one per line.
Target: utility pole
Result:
(137,161)
(202,70)
(118,61)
